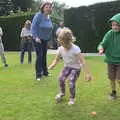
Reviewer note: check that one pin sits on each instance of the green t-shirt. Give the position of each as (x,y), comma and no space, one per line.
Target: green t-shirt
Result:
(111,44)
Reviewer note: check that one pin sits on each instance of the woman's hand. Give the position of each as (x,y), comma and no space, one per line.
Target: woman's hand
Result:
(38,40)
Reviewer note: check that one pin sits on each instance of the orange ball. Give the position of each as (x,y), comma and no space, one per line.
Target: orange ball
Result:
(93,113)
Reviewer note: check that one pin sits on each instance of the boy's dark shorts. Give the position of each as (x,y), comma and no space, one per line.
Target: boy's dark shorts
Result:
(114,71)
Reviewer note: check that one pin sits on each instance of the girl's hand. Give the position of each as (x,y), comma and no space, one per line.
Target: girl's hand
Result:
(88,77)
(50,67)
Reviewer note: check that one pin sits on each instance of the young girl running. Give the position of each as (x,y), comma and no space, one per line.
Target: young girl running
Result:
(73,62)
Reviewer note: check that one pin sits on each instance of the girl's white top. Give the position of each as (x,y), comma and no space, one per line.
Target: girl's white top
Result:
(70,57)
(25,32)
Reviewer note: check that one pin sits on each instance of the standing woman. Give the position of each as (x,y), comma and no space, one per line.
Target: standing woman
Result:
(41,29)
(26,42)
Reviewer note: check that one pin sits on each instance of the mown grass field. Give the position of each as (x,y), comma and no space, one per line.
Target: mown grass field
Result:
(24,98)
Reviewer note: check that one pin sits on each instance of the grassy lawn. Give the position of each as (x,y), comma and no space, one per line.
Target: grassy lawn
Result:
(24,98)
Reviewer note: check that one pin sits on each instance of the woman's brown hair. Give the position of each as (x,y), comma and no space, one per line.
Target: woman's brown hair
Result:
(43,5)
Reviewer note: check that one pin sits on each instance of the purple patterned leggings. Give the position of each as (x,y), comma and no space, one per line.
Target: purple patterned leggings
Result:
(72,74)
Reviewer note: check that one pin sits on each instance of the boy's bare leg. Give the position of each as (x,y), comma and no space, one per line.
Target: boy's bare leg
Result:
(113,87)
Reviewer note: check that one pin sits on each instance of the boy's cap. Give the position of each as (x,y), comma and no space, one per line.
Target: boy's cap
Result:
(115,18)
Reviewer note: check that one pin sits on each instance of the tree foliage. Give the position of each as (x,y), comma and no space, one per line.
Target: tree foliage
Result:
(23,4)
(58,10)
(5,7)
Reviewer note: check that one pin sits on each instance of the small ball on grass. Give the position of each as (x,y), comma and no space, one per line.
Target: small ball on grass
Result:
(93,113)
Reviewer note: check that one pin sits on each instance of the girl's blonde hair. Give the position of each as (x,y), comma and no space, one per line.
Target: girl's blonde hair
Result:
(66,36)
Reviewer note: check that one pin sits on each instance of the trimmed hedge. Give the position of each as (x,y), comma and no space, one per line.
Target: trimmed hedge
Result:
(12,26)
(89,24)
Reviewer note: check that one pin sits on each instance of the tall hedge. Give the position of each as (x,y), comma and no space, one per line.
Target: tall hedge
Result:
(90,23)
(12,26)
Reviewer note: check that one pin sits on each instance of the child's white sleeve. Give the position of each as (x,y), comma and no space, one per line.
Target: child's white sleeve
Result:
(78,50)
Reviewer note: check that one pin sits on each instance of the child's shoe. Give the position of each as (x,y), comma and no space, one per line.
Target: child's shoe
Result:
(38,79)
(58,97)
(6,65)
(113,95)
(47,74)
(71,101)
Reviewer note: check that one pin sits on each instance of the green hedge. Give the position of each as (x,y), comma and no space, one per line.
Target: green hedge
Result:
(89,24)
(12,26)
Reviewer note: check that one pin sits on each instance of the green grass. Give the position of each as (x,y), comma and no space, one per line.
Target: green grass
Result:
(24,98)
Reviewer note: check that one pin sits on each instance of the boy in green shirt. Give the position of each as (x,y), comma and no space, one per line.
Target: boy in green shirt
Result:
(111,46)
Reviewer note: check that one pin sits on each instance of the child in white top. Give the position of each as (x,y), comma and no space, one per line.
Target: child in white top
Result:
(2,49)
(73,61)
